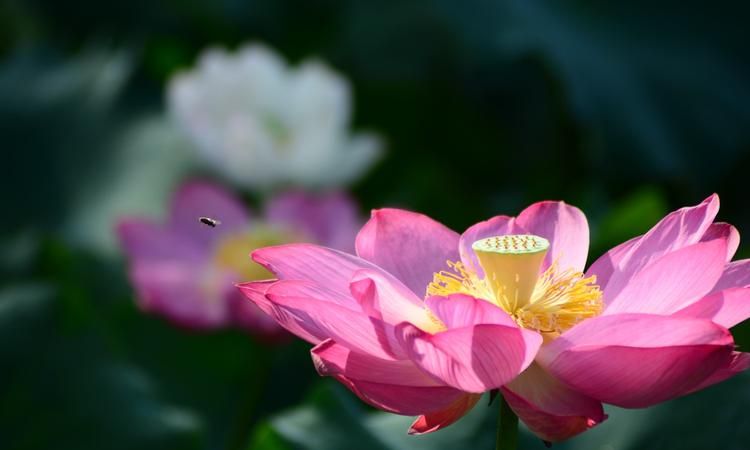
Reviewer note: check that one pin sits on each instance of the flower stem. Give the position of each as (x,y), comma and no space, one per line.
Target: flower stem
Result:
(507,427)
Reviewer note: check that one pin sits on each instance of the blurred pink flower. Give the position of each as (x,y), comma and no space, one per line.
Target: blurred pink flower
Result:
(411,335)
(185,270)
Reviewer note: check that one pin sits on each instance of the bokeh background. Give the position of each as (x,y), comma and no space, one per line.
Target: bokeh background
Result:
(625,109)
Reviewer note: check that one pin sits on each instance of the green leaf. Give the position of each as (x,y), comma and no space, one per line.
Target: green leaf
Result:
(333,418)
(65,390)
(266,438)
(713,418)
(226,378)
(104,151)
(147,158)
(654,92)
(330,419)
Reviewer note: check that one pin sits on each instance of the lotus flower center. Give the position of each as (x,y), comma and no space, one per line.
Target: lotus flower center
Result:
(549,301)
(232,252)
(511,265)
(278,130)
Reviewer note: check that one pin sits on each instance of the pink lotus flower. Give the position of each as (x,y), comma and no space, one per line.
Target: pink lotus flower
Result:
(185,270)
(411,334)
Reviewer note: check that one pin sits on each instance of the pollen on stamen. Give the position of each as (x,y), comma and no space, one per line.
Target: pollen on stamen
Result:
(561,300)
(458,280)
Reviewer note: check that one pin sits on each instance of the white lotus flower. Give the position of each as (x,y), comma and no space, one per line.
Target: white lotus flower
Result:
(262,123)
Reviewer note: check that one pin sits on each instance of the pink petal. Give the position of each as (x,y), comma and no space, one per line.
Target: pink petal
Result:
(404,400)
(727,308)
(387,300)
(736,274)
(459,310)
(332,359)
(679,229)
(725,231)
(313,290)
(324,266)
(738,363)
(566,228)
(408,245)
(440,419)
(563,225)
(142,240)
(637,360)
(202,199)
(395,386)
(549,409)
(249,317)
(671,282)
(316,320)
(256,292)
(329,219)
(473,359)
(607,265)
(496,226)
(184,293)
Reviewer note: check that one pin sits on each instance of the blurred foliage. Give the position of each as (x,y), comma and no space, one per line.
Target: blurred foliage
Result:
(64,386)
(627,110)
(598,99)
(331,418)
(102,154)
(95,373)
(632,216)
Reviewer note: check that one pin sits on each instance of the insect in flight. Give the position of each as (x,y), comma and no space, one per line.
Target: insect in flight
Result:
(209,221)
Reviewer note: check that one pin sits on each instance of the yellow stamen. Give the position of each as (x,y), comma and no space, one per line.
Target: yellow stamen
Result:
(561,299)
(233,251)
(554,302)
(459,280)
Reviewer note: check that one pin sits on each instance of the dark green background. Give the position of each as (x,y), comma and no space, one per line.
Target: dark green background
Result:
(625,109)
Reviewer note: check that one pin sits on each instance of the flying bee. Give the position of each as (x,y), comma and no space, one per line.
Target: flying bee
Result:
(209,221)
